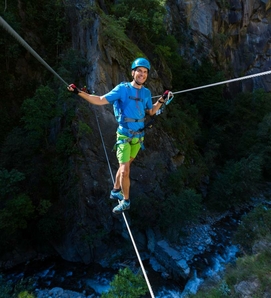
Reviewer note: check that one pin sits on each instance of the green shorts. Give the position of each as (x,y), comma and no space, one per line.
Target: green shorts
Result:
(127,150)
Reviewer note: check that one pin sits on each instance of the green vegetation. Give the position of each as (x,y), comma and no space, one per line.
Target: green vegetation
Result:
(5,288)
(237,182)
(226,140)
(225,143)
(29,189)
(22,289)
(255,226)
(127,284)
(178,209)
(254,238)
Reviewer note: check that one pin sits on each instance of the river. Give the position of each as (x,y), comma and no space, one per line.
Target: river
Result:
(93,279)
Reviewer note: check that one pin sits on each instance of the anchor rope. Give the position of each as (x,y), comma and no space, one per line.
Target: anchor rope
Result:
(11,31)
(222,82)
(19,38)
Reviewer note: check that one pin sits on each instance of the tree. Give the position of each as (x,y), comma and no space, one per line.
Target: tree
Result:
(16,208)
(178,209)
(39,112)
(236,183)
(255,226)
(145,18)
(126,284)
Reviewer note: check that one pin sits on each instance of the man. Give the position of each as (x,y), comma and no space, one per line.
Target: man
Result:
(131,102)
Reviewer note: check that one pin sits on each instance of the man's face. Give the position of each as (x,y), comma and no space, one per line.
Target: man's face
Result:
(140,74)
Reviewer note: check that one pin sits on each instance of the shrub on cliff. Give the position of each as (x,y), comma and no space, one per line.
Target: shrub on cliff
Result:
(126,284)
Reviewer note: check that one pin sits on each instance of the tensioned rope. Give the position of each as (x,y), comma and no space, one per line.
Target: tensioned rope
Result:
(11,31)
(25,45)
(124,217)
(222,82)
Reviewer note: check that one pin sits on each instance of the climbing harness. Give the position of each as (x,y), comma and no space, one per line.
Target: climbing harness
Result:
(10,30)
(119,107)
(133,134)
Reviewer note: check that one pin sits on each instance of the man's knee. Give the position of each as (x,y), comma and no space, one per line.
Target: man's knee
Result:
(125,170)
(124,173)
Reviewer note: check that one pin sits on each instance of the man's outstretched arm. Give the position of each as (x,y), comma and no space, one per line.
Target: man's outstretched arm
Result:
(93,99)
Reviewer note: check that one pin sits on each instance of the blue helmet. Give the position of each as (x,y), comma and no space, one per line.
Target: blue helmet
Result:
(141,62)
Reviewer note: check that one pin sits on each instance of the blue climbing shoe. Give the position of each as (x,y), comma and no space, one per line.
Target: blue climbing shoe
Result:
(122,206)
(116,195)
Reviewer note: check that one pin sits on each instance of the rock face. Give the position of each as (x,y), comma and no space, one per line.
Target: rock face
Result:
(247,288)
(234,34)
(172,258)
(176,259)
(97,165)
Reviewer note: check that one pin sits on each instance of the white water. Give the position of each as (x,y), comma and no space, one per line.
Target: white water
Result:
(220,261)
(100,283)
(217,265)
(98,286)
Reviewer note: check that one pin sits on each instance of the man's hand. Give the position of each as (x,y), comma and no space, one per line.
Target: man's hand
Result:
(73,88)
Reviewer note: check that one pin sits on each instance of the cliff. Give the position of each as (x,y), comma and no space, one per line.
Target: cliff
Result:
(235,35)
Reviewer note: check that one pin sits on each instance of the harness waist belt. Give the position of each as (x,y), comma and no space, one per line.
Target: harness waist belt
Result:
(134,120)
(129,132)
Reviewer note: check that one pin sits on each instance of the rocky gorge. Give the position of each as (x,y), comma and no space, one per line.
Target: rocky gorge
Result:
(233,27)
(189,263)
(235,35)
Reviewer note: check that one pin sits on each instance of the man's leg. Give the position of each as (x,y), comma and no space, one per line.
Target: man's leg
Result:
(123,155)
(117,184)
(126,153)
(124,178)
(123,175)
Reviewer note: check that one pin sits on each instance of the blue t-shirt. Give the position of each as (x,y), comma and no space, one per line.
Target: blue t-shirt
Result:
(132,101)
